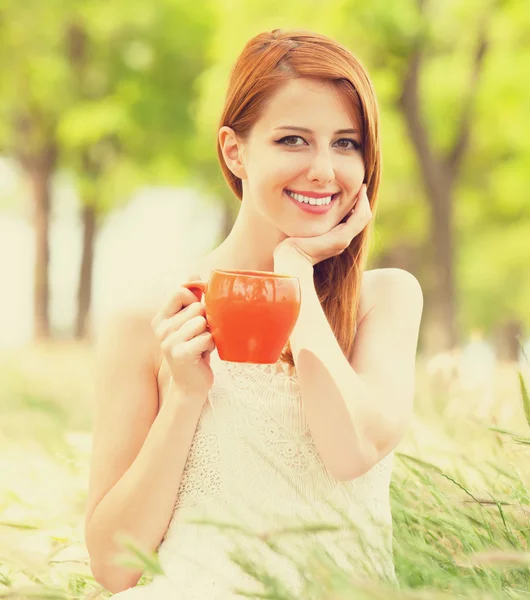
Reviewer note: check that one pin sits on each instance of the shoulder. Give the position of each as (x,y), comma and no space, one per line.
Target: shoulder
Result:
(125,328)
(392,288)
(137,306)
(125,334)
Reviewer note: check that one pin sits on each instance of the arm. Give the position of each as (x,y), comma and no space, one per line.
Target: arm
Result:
(359,408)
(139,452)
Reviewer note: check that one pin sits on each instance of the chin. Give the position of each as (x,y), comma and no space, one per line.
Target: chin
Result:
(306,230)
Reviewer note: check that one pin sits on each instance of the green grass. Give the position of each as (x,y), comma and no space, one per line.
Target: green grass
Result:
(460,492)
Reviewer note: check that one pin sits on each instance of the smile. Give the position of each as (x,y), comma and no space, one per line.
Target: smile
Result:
(312,205)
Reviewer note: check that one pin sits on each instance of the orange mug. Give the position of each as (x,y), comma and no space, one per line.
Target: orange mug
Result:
(250,314)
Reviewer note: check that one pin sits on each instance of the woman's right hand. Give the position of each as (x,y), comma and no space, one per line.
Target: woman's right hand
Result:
(186,343)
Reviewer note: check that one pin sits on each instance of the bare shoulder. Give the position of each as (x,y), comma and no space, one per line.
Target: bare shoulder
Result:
(126,329)
(127,321)
(389,320)
(390,287)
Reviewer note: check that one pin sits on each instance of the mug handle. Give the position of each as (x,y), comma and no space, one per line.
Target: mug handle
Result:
(196,286)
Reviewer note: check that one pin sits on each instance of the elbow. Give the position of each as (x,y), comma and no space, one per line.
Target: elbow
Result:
(350,470)
(112,578)
(369,452)
(357,464)
(364,461)
(108,573)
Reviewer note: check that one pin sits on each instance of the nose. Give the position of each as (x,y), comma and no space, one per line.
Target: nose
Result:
(321,168)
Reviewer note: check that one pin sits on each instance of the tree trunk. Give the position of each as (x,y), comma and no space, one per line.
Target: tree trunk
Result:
(84,293)
(508,341)
(407,255)
(438,186)
(444,334)
(40,172)
(439,173)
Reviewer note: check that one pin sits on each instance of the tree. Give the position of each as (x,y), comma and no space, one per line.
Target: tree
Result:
(126,74)
(431,63)
(31,70)
(440,171)
(153,55)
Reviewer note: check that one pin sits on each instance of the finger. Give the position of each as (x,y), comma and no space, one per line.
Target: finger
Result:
(174,323)
(361,212)
(204,343)
(177,301)
(355,209)
(365,200)
(178,349)
(362,198)
(192,328)
(360,215)
(359,196)
(201,347)
(171,308)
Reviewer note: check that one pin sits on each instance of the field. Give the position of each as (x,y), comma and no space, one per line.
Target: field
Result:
(460,494)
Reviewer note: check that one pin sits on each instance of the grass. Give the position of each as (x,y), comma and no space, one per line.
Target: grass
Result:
(460,492)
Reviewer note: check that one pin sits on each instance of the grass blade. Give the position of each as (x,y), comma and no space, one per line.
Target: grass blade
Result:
(526,399)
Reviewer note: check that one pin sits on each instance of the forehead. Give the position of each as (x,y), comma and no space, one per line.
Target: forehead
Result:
(307,103)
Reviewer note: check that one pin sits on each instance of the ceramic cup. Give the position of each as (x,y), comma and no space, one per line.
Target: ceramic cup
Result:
(250,314)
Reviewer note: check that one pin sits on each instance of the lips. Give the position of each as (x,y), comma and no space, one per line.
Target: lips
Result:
(315,195)
(312,208)
(312,195)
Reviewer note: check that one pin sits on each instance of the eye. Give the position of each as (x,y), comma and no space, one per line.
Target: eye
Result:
(291,138)
(355,145)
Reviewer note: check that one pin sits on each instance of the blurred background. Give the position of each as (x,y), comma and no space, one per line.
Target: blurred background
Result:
(109,183)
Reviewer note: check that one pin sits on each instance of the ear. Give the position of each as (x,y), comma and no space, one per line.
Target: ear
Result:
(232,149)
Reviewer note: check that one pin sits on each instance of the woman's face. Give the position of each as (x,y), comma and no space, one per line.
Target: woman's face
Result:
(304,144)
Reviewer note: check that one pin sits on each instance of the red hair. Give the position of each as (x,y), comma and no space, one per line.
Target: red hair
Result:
(268,61)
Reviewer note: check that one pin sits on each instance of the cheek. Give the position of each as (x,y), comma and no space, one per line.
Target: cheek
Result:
(352,173)
(275,176)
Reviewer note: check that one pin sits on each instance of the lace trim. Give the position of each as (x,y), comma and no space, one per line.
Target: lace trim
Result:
(280,376)
(253,440)
(201,477)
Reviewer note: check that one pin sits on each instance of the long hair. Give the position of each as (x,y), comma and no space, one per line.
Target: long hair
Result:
(269,60)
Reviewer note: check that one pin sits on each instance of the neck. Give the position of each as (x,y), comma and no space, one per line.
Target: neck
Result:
(250,244)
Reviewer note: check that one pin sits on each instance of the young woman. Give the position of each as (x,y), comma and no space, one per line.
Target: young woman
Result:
(182,435)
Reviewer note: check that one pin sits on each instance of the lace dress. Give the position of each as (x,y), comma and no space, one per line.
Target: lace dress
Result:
(254,472)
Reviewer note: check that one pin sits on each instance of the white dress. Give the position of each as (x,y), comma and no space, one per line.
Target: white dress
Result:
(253,465)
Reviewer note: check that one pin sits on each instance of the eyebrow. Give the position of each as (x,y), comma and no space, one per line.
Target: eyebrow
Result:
(305,130)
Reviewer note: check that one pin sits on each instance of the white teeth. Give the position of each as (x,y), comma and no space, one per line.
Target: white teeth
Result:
(312,201)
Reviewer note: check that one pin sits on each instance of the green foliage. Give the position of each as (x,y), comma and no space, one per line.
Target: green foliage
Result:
(491,211)
(111,85)
(492,217)
(525,397)
(138,103)
(460,501)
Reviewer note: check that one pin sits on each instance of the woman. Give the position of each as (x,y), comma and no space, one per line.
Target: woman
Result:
(181,435)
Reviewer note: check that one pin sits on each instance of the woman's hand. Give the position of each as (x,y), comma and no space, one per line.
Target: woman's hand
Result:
(186,343)
(332,243)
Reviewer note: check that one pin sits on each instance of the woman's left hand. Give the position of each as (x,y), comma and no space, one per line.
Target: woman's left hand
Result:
(334,242)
